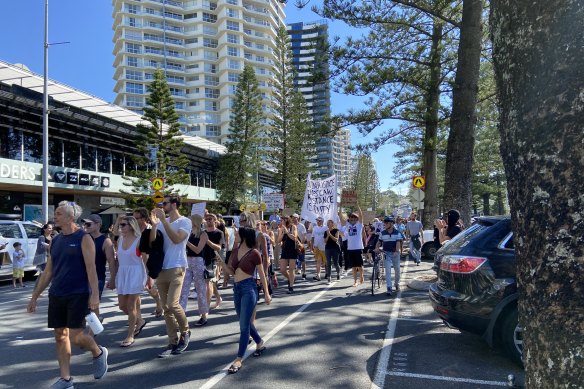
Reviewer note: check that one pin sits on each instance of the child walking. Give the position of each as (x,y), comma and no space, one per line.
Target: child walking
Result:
(18,258)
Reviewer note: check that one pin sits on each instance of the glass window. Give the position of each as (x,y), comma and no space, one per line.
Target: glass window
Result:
(55,152)
(211,93)
(233,64)
(212,130)
(207,17)
(210,42)
(211,105)
(134,101)
(233,77)
(71,154)
(233,51)
(103,160)
(33,147)
(88,158)
(32,231)
(132,61)
(133,48)
(211,80)
(10,231)
(117,163)
(232,38)
(209,67)
(133,74)
(10,143)
(132,87)
(234,26)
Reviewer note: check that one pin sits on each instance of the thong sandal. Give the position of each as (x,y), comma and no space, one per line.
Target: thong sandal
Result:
(233,369)
(259,351)
(139,329)
(127,343)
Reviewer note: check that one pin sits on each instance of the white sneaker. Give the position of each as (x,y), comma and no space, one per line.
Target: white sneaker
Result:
(193,296)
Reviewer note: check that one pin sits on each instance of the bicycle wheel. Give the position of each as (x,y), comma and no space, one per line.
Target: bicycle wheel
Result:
(374,275)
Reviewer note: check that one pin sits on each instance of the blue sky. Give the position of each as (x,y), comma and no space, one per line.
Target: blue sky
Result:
(86,62)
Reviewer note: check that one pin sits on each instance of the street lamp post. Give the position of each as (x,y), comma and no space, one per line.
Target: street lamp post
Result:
(45,195)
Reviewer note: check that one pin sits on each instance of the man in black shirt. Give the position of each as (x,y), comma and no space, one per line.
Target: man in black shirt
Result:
(214,243)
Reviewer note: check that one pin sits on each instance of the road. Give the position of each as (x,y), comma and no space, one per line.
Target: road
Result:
(329,336)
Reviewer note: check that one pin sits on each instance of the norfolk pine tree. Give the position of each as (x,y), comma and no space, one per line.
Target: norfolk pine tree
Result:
(159,144)
(238,167)
(291,136)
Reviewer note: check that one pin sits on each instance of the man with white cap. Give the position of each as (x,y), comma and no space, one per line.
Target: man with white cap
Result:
(318,246)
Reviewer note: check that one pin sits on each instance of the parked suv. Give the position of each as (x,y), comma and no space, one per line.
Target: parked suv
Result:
(476,289)
(27,234)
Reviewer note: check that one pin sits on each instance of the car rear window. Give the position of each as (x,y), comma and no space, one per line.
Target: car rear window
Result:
(10,231)
(460,240)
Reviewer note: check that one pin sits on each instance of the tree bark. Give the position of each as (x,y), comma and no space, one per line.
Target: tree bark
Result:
(431,128)
(459,152)
(539,67)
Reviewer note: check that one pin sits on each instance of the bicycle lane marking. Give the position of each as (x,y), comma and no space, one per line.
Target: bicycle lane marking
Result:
(383,361)
(219,376)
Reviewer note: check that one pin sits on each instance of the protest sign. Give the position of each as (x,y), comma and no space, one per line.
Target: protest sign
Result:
(288,212)
(349,198)
(273,201)
(320,199)
(199,208)
(368,217)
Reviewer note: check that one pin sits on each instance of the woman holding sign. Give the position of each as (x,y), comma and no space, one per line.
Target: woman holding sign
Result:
(287,237)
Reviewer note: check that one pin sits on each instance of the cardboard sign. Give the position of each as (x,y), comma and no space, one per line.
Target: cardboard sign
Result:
(320,199)
(273,201)
(288,212)
(199,208)
(349,198)
(368,217)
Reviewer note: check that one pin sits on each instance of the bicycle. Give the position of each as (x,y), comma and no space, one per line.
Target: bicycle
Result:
(376,273)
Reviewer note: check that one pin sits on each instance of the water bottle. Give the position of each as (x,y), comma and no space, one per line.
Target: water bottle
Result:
(94,323)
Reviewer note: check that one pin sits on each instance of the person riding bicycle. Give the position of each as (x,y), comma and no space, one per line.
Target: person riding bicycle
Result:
(391,241)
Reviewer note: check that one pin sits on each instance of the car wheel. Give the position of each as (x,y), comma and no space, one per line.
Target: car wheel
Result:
(512,336)
(429,249)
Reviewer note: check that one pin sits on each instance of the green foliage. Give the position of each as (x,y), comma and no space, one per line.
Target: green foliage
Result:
(159,145)
(238,168)
(291,136)
(365,181)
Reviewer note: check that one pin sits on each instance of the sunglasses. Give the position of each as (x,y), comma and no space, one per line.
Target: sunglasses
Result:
(123,224)
(88,224)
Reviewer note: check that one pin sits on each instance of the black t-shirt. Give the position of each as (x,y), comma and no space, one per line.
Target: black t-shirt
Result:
(100,258)
(451,232)
(195,242)
(145,246)
(208,252)
(330,243)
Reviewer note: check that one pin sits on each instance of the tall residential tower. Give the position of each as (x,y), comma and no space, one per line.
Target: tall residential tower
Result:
(202,46)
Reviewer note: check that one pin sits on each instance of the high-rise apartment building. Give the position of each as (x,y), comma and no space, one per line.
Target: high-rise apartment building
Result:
(342,157)
(308,49)
(202,46)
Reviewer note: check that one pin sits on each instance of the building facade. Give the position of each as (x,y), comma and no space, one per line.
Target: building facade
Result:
(308,42)
(342,157)
(91,144)
(202,45)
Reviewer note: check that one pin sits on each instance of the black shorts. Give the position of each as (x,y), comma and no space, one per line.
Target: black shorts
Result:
(354,258)
(68,311)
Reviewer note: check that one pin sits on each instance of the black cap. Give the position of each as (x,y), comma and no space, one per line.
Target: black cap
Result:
(389,220)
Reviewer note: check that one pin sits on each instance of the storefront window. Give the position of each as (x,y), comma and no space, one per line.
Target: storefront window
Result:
(71,154)
(103,160)
(117,163)
(55,152)
(88,158)
(33,147)
(10,143)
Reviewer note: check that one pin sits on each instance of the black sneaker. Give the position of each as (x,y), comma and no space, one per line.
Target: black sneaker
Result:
(290,290)
(201,322)
(303,276)
(397,288)
(316,278)
(183,343)
(388,293)
(168,351)
(338,277)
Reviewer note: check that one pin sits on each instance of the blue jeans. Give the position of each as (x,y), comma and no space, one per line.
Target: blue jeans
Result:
(245,298)
(392,259)
(416,254)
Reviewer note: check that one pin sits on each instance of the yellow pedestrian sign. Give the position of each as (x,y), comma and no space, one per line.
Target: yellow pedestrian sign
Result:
(419,182)
(157,183)
(157,197)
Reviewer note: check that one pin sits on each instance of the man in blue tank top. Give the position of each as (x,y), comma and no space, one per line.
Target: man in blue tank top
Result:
(74,291)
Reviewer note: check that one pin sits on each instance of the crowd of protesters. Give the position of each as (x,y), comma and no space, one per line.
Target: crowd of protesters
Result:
(165,253)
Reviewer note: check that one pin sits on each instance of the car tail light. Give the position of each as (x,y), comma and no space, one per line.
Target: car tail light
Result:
(461,263)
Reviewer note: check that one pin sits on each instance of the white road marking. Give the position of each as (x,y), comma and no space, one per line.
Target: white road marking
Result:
(382,363)
(450,379)
(420,320)
(12,301)
(219,376)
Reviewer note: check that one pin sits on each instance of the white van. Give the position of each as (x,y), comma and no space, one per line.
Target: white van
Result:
(27,234)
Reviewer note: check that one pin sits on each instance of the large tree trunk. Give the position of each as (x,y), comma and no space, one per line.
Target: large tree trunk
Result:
(539,67)
(459,152)
(431,128)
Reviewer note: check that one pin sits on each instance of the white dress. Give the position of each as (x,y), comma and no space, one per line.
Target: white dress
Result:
(131,277)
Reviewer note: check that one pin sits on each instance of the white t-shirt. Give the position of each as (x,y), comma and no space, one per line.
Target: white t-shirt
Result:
(318,234)
(354,234)
(301,230)
(343,230)
(175,255)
